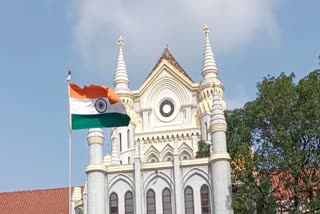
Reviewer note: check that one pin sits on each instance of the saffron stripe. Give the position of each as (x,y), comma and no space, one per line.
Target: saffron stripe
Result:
(92,91)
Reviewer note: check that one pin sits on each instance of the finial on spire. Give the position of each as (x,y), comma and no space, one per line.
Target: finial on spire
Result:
(120,41)
(209,67)
(121,81)
(69,76)
(206,30)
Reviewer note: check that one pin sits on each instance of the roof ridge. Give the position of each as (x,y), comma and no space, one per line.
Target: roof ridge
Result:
(37,190)
(170,58)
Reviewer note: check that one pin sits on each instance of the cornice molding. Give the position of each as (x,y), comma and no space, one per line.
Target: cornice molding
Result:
(220,156)
(218,127)
(96,168)
(164,136)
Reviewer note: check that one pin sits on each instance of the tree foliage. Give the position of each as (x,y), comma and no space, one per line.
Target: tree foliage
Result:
(203,149)
(282,172)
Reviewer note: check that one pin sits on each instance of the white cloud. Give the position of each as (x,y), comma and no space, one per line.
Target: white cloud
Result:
(149,25)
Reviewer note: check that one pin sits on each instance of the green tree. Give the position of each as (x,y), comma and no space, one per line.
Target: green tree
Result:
(253,193)
(203,149)
(283,124)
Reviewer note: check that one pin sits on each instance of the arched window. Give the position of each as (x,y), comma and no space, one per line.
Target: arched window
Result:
(129,209)
(128,139)
(166,201)
(151,202)
(168,158)
(188,200)
(79,211)
(114,203)
(205,199)
(120,143)
(206,131)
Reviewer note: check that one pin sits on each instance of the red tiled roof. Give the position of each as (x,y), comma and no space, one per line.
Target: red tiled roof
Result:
(280,181)
(47,201)
(168,56)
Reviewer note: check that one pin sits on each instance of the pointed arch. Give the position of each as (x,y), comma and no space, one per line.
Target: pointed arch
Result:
(120,177)
(205,199)
(185,146)
(79,210)
(152,154)
(167,152)
(164,83)
(128,203)
(151,202)
(166,201)
(166,178)
(152,158)
(185,151)
(188,200)
(113,203)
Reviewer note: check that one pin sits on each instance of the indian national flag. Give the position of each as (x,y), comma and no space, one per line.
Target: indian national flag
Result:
(96,106)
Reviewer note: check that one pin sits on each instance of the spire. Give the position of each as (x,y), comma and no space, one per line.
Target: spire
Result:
(121,80)
(209,67)
(218,121)
(115,159)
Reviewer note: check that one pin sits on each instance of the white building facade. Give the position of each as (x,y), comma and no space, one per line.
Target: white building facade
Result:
(152,168)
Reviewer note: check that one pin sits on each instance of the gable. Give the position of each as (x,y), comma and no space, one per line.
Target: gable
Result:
(166,55)
(167,98)
(172,67)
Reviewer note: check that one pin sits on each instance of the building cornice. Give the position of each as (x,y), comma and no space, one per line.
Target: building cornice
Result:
(158,165)
(159,136)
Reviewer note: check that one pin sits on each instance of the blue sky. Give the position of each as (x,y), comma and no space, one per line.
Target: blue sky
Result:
(41,39)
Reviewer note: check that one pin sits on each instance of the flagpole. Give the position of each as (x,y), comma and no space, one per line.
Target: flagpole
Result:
(69,144)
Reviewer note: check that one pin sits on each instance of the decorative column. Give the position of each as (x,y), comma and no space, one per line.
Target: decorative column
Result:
(137,179)
(220,160)
(85,199)
(177,179)
(115,159)
(96,173)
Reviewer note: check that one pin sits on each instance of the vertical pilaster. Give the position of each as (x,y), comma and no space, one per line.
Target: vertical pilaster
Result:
(85,199)
(96,173)
(115,159)
(141,150)
(177,180)
(137,180)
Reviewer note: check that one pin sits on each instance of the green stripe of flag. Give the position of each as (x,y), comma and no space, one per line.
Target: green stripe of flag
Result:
(80,121)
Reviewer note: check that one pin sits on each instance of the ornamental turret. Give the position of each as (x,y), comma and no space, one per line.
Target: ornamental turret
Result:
(121,81)
(123,137)
(209,83)
(220,160)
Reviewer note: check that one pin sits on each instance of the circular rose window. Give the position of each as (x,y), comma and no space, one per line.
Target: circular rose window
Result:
(166,108)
